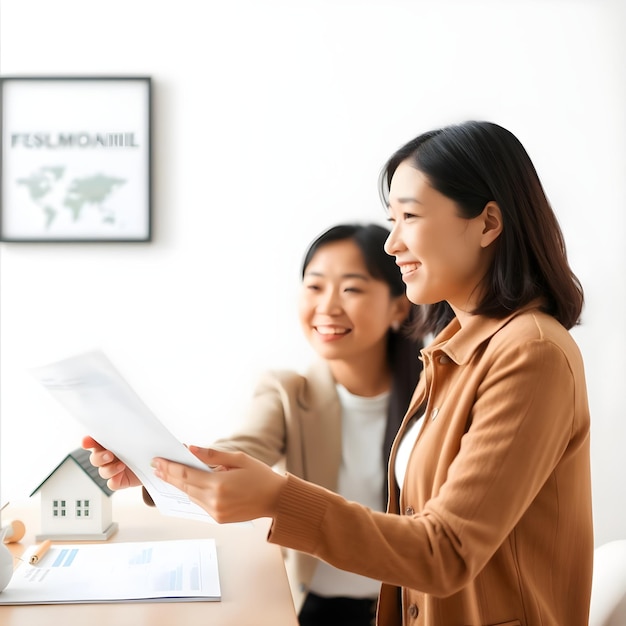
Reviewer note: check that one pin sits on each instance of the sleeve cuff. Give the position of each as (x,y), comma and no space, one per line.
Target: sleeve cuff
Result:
(299,515)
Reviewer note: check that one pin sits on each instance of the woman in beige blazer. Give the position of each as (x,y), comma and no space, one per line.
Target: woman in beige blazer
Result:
(295,423)
(489,518)
(333,425)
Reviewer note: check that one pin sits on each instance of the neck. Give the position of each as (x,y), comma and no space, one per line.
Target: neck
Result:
(366,375)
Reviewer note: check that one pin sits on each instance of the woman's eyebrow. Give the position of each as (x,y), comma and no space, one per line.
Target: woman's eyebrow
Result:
(356,275)
(343,276)
(408,200)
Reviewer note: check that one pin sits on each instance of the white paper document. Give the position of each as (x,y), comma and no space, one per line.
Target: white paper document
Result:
(182,570)
(95,393)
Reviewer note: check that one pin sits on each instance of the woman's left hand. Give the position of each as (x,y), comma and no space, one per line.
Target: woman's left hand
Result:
(239,488)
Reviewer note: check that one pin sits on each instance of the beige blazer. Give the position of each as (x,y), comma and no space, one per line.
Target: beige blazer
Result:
(493,525)
(294,423)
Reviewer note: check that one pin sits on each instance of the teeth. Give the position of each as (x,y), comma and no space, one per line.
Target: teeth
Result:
(405,269)
(326,330)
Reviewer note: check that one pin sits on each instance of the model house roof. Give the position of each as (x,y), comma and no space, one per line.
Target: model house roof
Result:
(80,456)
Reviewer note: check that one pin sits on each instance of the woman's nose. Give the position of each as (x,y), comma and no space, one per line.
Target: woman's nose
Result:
(329,303)
(392,243)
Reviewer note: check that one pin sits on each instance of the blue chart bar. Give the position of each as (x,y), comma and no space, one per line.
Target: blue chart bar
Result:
(71,557)
(145,556)
(176,579)
(65,557)
(59,560)
(194,578)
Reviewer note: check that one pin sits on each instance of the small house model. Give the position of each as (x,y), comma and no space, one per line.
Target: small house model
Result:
(75,501)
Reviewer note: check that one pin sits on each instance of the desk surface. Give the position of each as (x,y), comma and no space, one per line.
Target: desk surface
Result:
(253,581)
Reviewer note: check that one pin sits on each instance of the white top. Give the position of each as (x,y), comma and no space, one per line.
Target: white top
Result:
(405,448)
(361,479)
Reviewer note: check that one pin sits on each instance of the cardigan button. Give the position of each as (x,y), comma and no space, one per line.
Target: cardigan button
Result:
(444,359)
(413,611)
(409,510)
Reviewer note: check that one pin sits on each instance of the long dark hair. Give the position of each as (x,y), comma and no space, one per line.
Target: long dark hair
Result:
(478,162)
(404,345)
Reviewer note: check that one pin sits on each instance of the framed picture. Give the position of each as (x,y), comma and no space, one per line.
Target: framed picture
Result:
(75,158)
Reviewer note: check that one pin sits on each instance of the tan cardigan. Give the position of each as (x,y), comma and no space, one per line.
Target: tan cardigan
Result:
(493,524)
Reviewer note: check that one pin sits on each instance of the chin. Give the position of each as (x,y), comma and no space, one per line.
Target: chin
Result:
(416,296)
(328,352)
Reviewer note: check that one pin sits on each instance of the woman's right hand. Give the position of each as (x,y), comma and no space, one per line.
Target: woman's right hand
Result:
(116,473)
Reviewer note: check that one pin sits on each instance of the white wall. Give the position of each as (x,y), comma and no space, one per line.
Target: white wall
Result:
(272,120)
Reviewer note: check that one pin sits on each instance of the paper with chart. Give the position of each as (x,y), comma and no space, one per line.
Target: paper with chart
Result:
(184,570)
(95,393)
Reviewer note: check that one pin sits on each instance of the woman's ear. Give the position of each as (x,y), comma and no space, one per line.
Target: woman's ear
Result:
(491,218)
(401,308)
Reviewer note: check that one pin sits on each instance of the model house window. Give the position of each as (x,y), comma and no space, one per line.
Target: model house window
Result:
(58,508)
(82,508)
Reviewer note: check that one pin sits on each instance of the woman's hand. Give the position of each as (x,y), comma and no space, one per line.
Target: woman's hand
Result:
(116,473)
(239,488)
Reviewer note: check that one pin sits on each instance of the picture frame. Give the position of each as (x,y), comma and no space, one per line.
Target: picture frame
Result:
(76,159)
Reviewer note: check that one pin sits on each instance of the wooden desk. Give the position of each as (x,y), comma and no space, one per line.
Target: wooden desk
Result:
(255,590)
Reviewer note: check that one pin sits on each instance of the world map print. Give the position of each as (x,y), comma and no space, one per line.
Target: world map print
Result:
(49,190)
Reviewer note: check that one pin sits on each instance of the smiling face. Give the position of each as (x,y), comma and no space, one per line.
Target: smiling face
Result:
(442,255)
(345,313)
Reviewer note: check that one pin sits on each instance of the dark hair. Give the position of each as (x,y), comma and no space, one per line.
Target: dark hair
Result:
(404,345)
(474,163)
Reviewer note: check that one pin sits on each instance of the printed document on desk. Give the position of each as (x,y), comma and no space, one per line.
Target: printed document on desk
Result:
(182,570)
(96,394)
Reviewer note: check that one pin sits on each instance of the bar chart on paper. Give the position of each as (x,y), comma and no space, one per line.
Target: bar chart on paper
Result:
(160,571)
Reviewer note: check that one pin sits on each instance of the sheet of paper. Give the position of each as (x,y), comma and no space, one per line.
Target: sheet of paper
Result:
(95,393)
(156,571)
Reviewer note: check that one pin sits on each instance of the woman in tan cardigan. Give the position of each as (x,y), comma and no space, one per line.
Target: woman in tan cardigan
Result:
(334,424)
(489,517)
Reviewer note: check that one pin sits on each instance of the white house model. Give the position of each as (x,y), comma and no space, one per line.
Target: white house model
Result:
(75,501)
